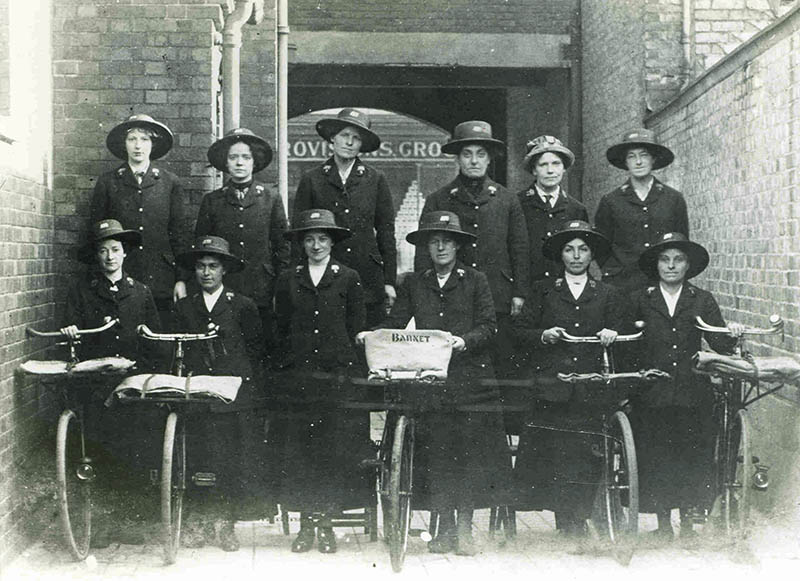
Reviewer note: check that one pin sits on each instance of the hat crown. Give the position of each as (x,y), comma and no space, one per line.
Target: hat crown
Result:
(472,129)
(673,237)
(440,220)
(542,142)
(355,116)
(106,228)
(639,135)
(214,244)
(141,117)
(240,131)
(315,218)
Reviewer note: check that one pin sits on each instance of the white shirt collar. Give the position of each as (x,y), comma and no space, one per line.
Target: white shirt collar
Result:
(576,283)
(671,299)
(211,299)
(317,271)
(553,195)
(345,173)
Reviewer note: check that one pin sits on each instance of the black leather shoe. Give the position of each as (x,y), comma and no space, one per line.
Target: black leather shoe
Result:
(304,541)
(326,539)
(228,541)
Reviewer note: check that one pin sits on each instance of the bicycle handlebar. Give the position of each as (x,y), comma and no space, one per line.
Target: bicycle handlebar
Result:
(34,333)
(775,321)
(144,331)
(566,337)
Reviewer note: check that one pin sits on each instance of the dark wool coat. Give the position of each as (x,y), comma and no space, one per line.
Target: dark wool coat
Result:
(542,221)
(157,211)
(237,350)
(559,470)
(93,298)
(461,458)
(501,250)
(254,228)
(228,439)
(364,205)
(323,445)
(632,225)
(672,419)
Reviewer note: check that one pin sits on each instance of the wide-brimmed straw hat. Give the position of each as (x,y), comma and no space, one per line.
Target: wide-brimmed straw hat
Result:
(349,117)
(103,230)
(317,219)
(210,245)
(571,230)
(644,138)
(473,133)
(433,222)
(543,144)
(218,152)
(698,256)
(115,141)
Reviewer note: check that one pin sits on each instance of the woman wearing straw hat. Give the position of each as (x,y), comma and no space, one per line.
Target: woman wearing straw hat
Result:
(359,197)
(545,203)
(107,292)
(320,309)
(148,199)
(250,216)
(225,440)
(550,463)
(462,457)
(672,419)
(636,214)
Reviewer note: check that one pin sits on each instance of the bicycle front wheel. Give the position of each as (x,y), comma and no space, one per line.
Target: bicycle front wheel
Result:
(74,475)
(173,485)
(738,467)
(398,493)
(621,485)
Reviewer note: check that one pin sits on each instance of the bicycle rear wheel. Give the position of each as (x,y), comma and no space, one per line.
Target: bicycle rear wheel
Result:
(398,492)
(738,467)
(621,486)
(173,485)
(74,474)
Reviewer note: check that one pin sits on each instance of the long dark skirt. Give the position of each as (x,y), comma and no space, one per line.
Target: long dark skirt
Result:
(557,469)
(674,450)
(461,460)
(233,447)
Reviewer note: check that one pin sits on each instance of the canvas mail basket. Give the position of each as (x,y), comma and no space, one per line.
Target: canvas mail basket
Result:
(395,354)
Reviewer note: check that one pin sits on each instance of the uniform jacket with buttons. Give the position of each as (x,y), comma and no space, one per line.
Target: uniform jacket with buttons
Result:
(543,220)
(94,298)
(670,342)
(156,210)
(632,225)
(501,249)
(254,228)
(317,325)
(551,304)
(364,205)
(236,351)
(463,306)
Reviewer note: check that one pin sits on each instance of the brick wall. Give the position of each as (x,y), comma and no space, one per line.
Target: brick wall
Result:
(481,16)
(735,135)
(613,86)
(27,268)
(113,60)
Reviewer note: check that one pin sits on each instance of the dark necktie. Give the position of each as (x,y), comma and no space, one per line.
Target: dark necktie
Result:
(547,198)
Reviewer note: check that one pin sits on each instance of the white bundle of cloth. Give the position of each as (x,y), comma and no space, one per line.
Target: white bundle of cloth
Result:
(771,369)
(403,354)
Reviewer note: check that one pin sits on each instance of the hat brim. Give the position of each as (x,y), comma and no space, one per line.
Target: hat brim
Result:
(130,238)
(495,146)
(599,244)
(421,236)
(565,154)
(115,141)
(336,232)
(698,257)
(218,152)
(329,127)
(662,155)
(189,258)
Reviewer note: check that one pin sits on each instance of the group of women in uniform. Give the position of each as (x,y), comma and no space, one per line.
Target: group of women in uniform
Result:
(289,301)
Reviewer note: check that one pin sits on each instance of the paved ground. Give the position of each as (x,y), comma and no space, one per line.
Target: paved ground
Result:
(537,552)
